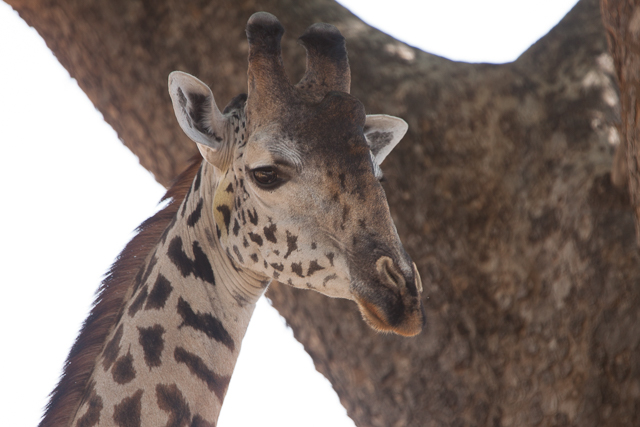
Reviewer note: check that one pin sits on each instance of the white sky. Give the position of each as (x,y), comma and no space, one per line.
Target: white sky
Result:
(72,194)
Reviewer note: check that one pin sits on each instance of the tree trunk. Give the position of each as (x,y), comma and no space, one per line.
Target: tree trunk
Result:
(622,22)
(501,193)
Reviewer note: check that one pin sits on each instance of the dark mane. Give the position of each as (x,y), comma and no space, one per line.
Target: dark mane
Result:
(107,306)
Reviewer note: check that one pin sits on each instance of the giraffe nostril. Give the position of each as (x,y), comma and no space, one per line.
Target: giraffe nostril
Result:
(418,279)
(388,272)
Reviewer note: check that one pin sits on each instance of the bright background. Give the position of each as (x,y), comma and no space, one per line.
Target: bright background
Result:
(72,194)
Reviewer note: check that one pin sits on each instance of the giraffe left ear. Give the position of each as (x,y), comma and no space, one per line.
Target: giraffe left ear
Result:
(383,133)
(198,115)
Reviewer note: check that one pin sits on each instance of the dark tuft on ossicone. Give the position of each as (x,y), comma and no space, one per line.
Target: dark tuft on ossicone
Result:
(324,40)
(264,32)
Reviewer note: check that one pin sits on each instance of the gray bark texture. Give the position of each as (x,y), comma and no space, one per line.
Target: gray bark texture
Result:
(501,192)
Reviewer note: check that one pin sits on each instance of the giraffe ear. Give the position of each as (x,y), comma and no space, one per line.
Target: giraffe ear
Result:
(198,114)
(383,133)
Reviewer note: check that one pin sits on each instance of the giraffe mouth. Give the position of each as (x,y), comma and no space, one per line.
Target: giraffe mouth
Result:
(398,317)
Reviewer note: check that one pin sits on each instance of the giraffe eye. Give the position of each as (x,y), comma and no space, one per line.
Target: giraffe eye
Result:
(265,177)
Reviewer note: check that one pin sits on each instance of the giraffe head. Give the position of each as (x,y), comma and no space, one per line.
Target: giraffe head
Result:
(298,198)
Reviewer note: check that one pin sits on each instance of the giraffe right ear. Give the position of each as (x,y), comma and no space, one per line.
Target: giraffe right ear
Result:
(383,133)
(198,115)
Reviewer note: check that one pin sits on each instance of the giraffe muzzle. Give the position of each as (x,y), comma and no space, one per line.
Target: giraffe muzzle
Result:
(393,302)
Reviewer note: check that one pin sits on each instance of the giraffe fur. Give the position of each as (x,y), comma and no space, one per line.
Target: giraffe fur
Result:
(287,190)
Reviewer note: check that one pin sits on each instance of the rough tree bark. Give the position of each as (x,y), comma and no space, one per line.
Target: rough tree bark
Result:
(622,23)
(501,192)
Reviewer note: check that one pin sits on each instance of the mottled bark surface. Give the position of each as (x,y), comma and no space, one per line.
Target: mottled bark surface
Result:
(622,22)
(501,192)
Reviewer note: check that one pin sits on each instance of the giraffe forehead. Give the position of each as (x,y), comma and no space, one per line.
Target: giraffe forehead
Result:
(337,119)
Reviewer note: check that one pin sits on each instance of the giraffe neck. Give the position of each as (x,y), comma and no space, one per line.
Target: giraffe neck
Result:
(170,355)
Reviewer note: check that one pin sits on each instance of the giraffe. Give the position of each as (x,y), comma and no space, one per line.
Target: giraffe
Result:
(286,189)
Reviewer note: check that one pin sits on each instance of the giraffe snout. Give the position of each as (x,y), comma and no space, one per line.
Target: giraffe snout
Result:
(392,301)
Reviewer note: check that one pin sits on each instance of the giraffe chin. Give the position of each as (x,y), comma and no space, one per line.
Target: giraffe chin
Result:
(411,325)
